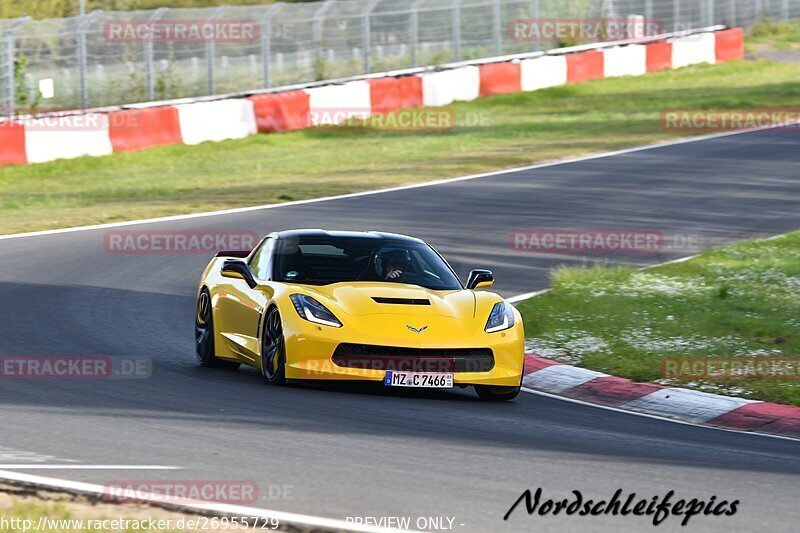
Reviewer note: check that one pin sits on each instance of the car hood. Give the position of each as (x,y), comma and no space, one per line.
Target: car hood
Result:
(377,298)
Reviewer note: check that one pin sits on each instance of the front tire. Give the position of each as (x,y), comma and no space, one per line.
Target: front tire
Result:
(204,335)
(273,349)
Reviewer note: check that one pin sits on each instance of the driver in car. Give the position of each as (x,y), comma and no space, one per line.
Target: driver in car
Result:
(395,263)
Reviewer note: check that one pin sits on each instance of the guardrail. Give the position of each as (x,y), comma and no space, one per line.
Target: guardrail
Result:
(99,59)
(103,131)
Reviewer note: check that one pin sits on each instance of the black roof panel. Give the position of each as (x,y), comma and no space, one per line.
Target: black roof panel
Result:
(345,234)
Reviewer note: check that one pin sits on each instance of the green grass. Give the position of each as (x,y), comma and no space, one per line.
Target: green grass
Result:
(770,35)
(519,129)
(739,300)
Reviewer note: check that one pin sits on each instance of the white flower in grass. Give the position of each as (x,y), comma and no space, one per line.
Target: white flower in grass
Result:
(569,346)
(645,340)
(648,284)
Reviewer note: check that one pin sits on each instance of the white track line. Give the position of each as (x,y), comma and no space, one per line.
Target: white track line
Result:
(197,506)
(13,466)
(391,189)
(526,296)
(654,417)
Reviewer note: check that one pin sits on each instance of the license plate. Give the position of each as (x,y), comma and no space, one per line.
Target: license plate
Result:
(425,380)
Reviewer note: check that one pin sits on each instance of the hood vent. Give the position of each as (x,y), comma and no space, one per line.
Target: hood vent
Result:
(402,301)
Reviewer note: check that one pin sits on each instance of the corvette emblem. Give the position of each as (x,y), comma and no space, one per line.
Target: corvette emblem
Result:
(417,331)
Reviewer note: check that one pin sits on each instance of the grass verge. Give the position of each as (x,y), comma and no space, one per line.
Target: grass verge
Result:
(513,130)
(774,35)
(27,509)
(736,301)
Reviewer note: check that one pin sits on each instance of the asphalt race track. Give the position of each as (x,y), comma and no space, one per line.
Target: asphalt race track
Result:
(360,451)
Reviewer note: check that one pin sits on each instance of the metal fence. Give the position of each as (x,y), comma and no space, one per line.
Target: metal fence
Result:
(82,65)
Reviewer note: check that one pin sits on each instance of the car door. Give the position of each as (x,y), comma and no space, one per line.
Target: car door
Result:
(241,307)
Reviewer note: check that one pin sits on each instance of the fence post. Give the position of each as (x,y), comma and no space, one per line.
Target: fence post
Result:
(535,20)
(676,15)
(150,78)
(648,13)
(10,92)
(319,17)
(710,14)
(366,34)
(266,41)
(11,59)
(413,35)
(414,31)
(785,10)
(211,52)
(456,23)
(82,59)
(498,37)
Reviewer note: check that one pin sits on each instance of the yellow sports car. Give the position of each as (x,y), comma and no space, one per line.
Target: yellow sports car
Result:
(330,305)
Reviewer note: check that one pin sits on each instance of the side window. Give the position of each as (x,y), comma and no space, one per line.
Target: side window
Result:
(260,264)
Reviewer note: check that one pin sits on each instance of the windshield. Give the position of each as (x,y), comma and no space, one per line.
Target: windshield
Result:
(321,260)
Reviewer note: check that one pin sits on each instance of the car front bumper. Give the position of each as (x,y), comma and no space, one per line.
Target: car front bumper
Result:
(310,349)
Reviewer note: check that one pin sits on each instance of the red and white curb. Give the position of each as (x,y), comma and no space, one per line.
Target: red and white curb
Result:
(695,407)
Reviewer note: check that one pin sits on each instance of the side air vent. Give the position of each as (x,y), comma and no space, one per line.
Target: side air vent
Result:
(402,301)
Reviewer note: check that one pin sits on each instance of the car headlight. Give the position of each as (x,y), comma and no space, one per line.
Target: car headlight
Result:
(313,311)
(501,317)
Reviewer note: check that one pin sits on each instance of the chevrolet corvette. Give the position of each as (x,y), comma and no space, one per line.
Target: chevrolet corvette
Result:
(360,306)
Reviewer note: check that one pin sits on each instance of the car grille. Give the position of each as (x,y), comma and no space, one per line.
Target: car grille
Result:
(413,359)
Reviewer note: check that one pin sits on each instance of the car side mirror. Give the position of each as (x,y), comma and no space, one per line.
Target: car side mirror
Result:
(480,279)
(238,269)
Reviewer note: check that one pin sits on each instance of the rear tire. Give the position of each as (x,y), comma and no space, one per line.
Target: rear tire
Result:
(204,335)
(273,349)
(496,394)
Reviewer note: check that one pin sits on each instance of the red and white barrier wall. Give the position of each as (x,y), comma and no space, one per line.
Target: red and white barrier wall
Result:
(218,120)
(136,129)
(392,93)
(693,49)
(50,138)
(74,135)
(630,60)
(281,111)
(334,104)
(443,87)
(542,72)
